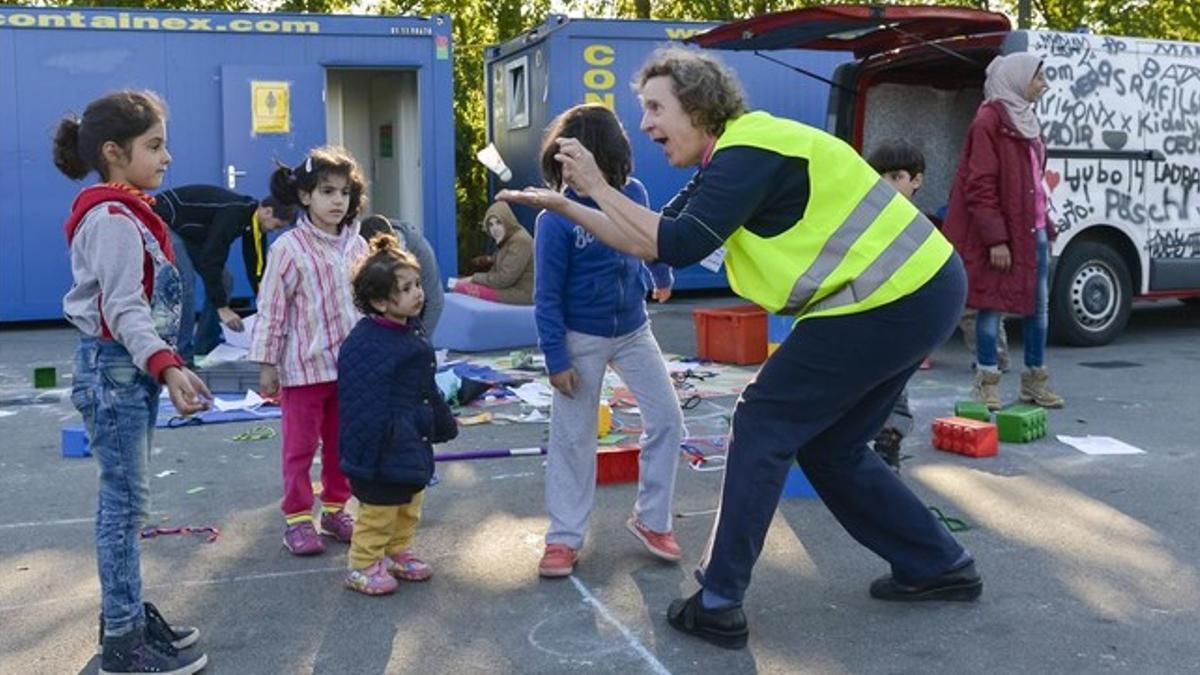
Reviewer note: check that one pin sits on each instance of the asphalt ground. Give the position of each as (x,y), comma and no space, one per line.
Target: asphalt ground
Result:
(1089,561)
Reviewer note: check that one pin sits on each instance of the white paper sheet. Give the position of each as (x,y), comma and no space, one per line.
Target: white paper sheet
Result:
(1101,445)
(223,353)
(250,401)
(241,339)
(535,394)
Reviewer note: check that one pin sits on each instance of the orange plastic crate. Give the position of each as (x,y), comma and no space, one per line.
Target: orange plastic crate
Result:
(731,334)
(965,436)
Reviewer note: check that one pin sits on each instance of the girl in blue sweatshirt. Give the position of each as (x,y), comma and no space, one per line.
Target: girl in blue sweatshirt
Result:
(589,301)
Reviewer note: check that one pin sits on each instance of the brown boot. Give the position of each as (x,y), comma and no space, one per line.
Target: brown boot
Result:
(987,389)
(1035,390)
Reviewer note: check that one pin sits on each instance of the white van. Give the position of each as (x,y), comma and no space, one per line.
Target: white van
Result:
(1121,121)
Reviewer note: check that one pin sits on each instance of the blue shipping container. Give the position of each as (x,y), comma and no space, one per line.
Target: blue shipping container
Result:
(243,90)
(563,62)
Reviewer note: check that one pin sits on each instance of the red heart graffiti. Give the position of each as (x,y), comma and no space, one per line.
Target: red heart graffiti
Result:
(1053,178)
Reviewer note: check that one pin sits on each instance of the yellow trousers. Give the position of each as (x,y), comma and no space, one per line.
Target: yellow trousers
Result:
(383,530)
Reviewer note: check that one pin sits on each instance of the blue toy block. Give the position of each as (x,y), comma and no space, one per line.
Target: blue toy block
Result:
(470,324)
(75,442)
(797,486)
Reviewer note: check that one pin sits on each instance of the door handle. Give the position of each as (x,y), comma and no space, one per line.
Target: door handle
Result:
(231,176)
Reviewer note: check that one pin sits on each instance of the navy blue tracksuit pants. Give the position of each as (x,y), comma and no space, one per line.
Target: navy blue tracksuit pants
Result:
(818,400)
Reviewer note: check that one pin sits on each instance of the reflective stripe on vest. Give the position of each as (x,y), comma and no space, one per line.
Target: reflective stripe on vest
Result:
(914,235)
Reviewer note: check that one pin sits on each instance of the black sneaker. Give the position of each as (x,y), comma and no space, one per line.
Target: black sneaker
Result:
(724,627)
(887,446)
(157,628)
(963,584)
(135,652)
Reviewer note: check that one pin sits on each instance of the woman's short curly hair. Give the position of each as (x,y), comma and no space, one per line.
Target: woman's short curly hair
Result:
(707,89)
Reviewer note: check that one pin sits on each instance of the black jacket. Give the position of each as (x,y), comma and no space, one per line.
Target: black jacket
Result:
(390,412)
(208,219)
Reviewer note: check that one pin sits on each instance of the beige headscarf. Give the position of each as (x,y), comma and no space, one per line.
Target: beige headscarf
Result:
(1008,78)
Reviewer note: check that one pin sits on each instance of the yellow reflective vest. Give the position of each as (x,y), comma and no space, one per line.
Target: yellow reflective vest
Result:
(859,245)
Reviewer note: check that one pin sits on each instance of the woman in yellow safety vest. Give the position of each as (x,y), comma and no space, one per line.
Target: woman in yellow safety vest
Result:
(804,227)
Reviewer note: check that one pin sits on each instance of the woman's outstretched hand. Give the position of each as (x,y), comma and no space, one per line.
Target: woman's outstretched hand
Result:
(538,198)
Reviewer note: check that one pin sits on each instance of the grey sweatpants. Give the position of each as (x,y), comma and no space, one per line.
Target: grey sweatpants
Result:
(571,457)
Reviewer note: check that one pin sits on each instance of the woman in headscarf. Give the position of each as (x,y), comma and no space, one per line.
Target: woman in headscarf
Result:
(997,221)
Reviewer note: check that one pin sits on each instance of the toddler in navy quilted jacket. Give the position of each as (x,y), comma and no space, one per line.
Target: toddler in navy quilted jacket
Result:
(391,413)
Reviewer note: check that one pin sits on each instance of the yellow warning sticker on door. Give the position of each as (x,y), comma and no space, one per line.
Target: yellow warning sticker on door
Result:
(270,107)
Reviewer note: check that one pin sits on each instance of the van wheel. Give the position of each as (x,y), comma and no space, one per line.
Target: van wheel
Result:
(1091,297)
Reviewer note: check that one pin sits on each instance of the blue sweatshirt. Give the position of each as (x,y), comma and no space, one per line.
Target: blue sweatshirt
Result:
(583,285)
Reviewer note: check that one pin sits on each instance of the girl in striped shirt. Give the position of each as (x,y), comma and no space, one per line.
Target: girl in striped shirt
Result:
(305,311)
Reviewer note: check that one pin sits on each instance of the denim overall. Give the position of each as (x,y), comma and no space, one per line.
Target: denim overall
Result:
(119,404)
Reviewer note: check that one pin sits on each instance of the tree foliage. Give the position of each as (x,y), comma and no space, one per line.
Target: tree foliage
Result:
(480,23)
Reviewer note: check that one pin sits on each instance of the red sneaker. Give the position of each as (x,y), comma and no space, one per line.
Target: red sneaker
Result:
(661,544)
(557,561)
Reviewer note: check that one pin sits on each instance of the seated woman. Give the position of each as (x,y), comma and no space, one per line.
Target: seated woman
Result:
(511,278)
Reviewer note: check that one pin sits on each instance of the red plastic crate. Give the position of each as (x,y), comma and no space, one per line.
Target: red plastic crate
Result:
(617,465)
(965,436)
(735,334)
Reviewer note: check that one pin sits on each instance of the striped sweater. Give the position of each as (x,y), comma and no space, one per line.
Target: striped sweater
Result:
(305,306)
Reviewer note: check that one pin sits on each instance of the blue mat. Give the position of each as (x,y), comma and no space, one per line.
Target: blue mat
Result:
(168,417)
(469,324)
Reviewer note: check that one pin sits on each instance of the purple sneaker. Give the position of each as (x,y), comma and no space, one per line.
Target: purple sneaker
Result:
(302,539)
(338,525)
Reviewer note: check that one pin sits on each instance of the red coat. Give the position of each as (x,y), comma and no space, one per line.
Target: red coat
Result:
(991,202)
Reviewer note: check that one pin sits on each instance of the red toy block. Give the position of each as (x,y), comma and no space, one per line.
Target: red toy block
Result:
(617,464)
(965,436)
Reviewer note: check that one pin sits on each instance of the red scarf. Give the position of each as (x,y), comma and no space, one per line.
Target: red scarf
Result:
(139,202)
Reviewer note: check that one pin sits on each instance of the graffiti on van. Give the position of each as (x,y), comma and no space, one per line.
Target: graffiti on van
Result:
(1120,95)
(1174,244)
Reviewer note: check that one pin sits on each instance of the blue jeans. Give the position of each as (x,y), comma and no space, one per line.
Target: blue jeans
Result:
(119,404)
(196,337)
(1034,326)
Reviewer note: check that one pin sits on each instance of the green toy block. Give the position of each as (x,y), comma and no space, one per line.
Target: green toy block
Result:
(1021,423)
(45,378)
(973,410)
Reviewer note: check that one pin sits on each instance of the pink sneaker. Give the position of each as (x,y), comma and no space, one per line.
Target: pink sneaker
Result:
(373,580)
(338,524)
(557,561)
(302,539)
(661,544)
(406,566)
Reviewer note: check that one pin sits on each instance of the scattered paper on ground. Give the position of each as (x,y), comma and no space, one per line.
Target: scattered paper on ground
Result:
(1101,445)
(250,401)
(223,353)
(535,394)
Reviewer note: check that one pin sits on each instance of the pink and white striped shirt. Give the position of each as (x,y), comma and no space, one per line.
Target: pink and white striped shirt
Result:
(306,306)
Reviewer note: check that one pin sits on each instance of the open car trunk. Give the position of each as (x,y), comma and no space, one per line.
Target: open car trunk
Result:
(919,75)
(922,95)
